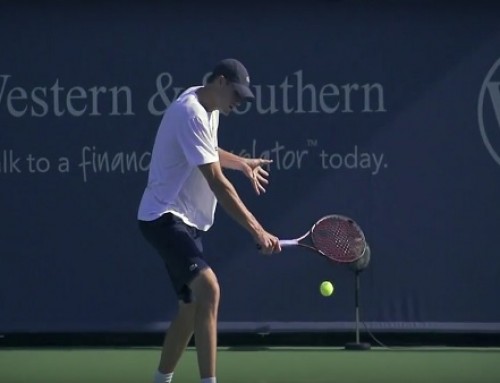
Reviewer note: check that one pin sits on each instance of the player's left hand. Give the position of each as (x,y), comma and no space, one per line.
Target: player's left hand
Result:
(253,169)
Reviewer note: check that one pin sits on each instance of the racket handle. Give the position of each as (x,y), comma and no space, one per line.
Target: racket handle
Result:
(285,243)
(288,242)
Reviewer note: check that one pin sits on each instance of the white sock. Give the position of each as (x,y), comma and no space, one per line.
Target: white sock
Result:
(209,380)
(163,378)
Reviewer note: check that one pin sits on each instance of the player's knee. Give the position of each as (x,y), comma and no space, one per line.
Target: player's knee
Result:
(206,288)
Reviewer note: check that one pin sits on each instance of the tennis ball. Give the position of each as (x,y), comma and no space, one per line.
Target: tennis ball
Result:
(326,288)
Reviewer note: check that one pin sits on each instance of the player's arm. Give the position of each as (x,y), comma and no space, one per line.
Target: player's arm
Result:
(228,198)
(251,167)
(230,160)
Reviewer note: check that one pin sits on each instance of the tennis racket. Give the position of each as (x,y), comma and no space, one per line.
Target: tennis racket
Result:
(336,237)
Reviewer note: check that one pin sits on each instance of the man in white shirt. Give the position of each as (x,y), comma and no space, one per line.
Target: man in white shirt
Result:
(184,185)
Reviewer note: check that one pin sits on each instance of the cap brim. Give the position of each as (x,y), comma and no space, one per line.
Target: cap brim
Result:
(244,91)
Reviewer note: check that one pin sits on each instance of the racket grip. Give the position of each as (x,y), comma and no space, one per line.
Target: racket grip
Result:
(288,242)
(285,243)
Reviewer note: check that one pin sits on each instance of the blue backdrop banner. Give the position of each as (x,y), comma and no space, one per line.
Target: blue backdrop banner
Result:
(389,114)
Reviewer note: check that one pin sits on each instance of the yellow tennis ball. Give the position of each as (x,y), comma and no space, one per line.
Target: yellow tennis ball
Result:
(326,288)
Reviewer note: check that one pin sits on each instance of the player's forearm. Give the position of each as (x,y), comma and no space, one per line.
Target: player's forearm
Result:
(229,160)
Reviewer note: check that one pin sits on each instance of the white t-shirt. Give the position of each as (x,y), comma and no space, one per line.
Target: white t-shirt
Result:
(186,138)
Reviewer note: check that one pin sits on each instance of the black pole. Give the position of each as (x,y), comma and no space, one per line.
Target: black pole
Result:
(357,345)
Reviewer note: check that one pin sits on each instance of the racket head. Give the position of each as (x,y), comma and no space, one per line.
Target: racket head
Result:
(338,238)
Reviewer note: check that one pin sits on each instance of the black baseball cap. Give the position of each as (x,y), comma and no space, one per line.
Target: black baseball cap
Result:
(236,73)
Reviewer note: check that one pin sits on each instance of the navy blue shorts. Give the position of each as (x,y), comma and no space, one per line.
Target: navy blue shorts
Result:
(181,249)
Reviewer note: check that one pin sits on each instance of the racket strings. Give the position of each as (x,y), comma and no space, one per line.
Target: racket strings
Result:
(338,239)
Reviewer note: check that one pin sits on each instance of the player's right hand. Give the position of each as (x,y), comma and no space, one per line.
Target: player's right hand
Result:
(267,243)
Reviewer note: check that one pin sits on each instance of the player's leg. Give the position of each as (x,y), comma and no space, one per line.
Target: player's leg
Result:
(206,292)
(177,337)
(181,249)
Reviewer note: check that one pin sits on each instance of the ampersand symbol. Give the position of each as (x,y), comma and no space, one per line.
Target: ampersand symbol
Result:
(161,88)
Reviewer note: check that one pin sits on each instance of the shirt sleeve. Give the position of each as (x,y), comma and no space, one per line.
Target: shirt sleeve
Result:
(197,143)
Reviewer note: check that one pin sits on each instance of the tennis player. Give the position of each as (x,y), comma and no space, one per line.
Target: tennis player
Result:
(185,182)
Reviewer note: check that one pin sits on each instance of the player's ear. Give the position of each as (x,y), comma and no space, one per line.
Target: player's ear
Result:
(221,81)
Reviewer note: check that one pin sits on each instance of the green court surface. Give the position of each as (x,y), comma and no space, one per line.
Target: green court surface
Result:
(273,365)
